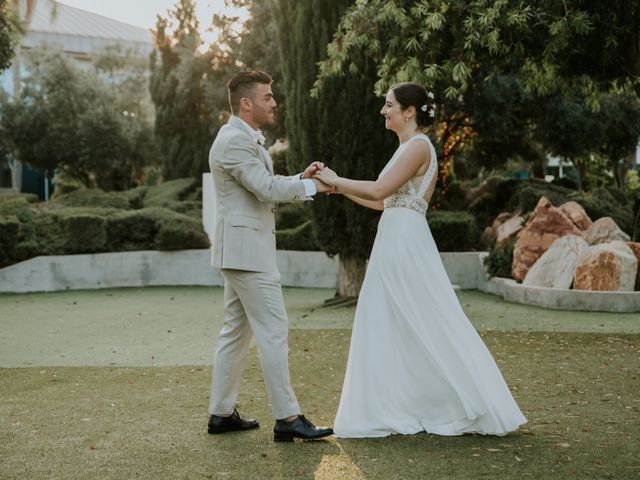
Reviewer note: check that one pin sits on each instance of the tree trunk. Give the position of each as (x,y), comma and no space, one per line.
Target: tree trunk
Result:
(622,170)
(351,276)
(581,166)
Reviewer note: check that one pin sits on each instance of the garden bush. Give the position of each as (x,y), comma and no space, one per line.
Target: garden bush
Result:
(83,232)
(9,234)
(453,231)
(499,260)
(93,197)
(154,229)
(602,203)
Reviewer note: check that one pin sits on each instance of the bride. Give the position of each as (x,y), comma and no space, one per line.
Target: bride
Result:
(416,364)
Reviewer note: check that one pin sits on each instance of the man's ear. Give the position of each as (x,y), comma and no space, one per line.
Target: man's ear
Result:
(245,104)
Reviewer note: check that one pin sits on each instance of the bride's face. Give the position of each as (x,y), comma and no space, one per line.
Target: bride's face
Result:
(392,113)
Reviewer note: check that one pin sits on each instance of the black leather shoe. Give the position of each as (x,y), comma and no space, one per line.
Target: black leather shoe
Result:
(232,423)
(299,428)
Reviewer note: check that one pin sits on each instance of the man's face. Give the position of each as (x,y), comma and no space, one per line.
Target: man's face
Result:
(263,105)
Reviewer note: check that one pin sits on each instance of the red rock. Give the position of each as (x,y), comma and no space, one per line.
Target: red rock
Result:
(606,267)
(576,213)
(546,224)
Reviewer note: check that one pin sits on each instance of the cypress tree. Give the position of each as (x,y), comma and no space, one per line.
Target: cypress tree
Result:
(179,84)
(341,127)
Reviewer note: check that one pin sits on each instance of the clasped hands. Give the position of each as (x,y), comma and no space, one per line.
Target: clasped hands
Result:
(322,176)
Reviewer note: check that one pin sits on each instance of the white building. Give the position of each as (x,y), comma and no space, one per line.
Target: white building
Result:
(80,34)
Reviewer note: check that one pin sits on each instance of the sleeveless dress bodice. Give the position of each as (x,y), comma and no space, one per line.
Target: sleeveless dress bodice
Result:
(407,196)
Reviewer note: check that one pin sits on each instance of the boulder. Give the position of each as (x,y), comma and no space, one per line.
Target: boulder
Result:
(508,230)
(606,267)
(635,248)
(557,266)
(490,233)
(546,224)
(577,214)
(603,230)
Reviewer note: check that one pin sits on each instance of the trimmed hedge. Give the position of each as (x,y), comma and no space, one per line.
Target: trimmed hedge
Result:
(453,231)
(297,238)
(93,197)
(9,235)
(60,231)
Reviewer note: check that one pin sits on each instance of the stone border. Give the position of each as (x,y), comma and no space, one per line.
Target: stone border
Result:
(298,269)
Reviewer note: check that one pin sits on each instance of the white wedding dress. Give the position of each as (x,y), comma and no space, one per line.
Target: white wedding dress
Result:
(416,364)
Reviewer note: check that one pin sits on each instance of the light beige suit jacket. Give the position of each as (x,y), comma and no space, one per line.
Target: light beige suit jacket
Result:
(246,192)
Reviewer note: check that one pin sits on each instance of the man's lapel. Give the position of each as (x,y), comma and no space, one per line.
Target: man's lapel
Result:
(266,158)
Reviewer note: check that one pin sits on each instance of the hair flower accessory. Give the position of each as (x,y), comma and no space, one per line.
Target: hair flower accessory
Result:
(430,95)
(424,107)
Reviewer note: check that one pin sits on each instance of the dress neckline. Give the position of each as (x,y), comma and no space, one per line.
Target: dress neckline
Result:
(411,138)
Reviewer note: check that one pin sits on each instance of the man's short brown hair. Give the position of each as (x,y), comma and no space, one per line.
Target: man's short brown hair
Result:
(243,85)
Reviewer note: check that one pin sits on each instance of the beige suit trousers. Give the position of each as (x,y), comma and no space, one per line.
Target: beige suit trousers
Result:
(253,304)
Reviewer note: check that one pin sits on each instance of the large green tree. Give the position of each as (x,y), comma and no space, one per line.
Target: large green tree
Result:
(491,62)
(92,129)
(188,90)
(8,34)
(341,127)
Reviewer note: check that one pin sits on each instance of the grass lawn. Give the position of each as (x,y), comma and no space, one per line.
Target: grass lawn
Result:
(579,389)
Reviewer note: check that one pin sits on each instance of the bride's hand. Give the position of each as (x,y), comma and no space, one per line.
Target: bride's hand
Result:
(326,175)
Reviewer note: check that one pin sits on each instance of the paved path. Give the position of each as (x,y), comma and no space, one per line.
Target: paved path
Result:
(178,325)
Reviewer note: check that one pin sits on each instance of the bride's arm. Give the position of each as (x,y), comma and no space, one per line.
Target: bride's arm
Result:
(373,204)
(404,168)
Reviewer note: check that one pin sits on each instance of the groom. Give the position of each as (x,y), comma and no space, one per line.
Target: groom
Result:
(244,248)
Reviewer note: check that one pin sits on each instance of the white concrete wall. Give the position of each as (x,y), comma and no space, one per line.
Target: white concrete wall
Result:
(298,269)
(152,268)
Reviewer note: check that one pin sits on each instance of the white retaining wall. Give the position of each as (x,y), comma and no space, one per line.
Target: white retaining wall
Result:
(298,269)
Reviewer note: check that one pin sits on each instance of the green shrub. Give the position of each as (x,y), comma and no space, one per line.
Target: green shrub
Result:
(85,233)
(177,232)
(17,207)
(528,194)
(9,234)
(291,215)
(93,197)
(601,203)
(499,260)
(490,199)
(132,230)
(297,238)
(453,231)
(167,193)
(154,229)
(10,194)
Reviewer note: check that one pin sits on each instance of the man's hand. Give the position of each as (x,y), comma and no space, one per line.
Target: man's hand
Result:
(312,169)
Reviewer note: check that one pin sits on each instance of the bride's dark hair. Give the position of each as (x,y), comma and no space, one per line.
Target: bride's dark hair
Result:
(412,94)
